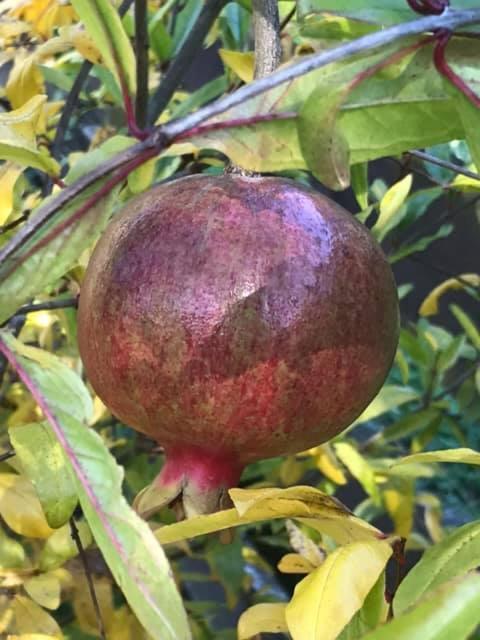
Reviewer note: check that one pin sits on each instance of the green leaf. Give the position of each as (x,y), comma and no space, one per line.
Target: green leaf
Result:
(374,612)
(390,397)
(408,425)
(461,455)
(385,114)
(421,244)
(104,26)
(450,611)
(44,463)
(326,600)
(359,179)
(470,119)
(456,554)
(468,326)
(323,144)
(39,262)
(18,143)
(127,543)
(60,546)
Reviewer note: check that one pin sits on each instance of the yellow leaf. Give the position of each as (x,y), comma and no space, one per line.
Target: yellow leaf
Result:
(262,618)
(241,63)
(32,636)
(44,15)
(291,470)
(85,613)
(81,41)
(390,204)
(20,507)
(327,463)
(309,505)
(326,600)
(9,173)
(399,502)
(18,130)
(25,81)
(429,306)
(359,468)
(31,618)
(295,563)
(44,589)
(465,183)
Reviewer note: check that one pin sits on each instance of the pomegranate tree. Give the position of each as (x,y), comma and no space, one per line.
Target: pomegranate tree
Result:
(233,319)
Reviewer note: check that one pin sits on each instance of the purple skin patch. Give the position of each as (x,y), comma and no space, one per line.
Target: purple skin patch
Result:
(236,319)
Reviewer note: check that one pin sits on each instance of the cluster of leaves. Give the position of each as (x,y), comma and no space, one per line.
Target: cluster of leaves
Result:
(65,458)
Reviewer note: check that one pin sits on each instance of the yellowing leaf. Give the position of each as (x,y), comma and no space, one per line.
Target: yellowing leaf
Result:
(44,589)
(24,82)
(20,507)
(9,173)
(461,455)
(262,618)
(32,636)
(295,563)
(327,463)
(44,15)
(18,130)
(309,505)
(240,62)
(326,600)
(399,502)
(390,205)
(429,306)
(359,468)
(31,618)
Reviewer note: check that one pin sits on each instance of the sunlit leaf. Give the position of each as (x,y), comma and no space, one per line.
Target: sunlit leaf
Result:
(31,618)
(9,173)
(327,463)
(429,306)
(240,62)
(134,557)
(460,455)
(398,498)
(105,27)
(18,130)
(295,563)
(44,589)
(262,618)
(21,508)
(391,207)
(12,553)
(45,464)
(306,504)
(359,468)
(390,397)
(326,600)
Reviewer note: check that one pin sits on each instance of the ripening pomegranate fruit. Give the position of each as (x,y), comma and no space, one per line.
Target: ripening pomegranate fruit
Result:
(233,319)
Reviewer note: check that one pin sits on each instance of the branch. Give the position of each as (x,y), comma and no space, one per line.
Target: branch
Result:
(448,20)
(268,48)
(185,56)
(426,157)
(76,537)
(48,305)
(141,50)
(166,134)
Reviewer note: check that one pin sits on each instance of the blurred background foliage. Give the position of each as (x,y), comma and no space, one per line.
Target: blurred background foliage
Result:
(426,218)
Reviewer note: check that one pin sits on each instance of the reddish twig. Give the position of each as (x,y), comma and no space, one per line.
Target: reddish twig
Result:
(104,190)
(236,122)
(442,37)
(132,125)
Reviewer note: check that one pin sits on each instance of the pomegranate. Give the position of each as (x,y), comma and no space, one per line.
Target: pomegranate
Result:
(234,319)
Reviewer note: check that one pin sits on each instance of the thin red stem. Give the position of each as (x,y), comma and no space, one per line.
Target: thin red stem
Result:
(86,206)
(132,125)
(236,122)
(442,37)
